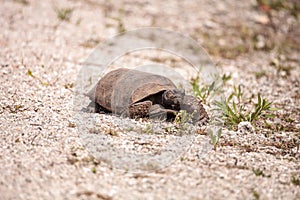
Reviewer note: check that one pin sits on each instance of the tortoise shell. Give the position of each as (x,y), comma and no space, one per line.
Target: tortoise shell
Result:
(119,88)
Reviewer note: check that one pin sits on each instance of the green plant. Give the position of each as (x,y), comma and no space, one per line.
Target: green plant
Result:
(260,74)
(63,14)
(235,112)
(148,129)
(180,117)
(259,172)
(255,194)
(260,109)
(205,91)
(202,92)
(16,108)
(282,69)
(291,6)
(237,92)
(128,129)
(295,180)
(169,129)
(69,85)
(94,170)
(29,73)
(225,78)
(111,132)
(215,136)
(120,26)
(183,117)
(24,2)
(90,80)
(183,120)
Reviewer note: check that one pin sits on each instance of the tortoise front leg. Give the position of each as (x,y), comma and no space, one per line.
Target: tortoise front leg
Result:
(140,109)
(157,111)
(146,109)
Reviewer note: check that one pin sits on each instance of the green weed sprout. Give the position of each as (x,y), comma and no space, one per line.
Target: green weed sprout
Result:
(63,14)
(205,91)
(235,112)
(215,136)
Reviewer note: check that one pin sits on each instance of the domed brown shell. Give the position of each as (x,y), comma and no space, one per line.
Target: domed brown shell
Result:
(116,90)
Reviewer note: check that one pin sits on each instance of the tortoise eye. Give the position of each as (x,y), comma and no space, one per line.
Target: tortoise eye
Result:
(170,95)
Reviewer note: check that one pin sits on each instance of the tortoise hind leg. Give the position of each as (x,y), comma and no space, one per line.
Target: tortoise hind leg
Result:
(95,108)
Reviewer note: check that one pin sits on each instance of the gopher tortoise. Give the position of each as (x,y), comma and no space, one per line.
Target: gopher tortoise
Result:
(138,94)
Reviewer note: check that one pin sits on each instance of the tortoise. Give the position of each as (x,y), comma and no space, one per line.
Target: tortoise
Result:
(138,94)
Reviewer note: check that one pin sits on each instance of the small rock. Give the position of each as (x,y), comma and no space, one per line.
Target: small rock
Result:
(245,127)
(261,19)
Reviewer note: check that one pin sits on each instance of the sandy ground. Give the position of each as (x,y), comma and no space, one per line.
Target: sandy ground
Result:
(43,157)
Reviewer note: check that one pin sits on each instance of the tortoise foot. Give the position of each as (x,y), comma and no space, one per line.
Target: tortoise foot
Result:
(94,108)
(157,111)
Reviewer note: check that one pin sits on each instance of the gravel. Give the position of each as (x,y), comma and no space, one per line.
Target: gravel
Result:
(44,155)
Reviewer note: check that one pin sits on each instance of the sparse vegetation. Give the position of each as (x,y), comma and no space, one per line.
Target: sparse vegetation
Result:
(204,91)
(234,109)
(239,39)
(169,129)
(15,108)
(281,69)
(182,119)
(260,74)
(111,132)
(128,129)
(225,78)
(29,73)
(215,136)
(201,92)
(63,14)
(227,49)
(90,80)
(69,85)
(120,25)
(292,6)
(148,129)
(94,170)
(255,194)
(295,180)
(259,172)
(24,2)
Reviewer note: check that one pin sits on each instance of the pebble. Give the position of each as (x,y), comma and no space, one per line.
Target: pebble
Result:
(245,127)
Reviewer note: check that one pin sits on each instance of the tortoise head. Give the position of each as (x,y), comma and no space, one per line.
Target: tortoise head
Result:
(173,98)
